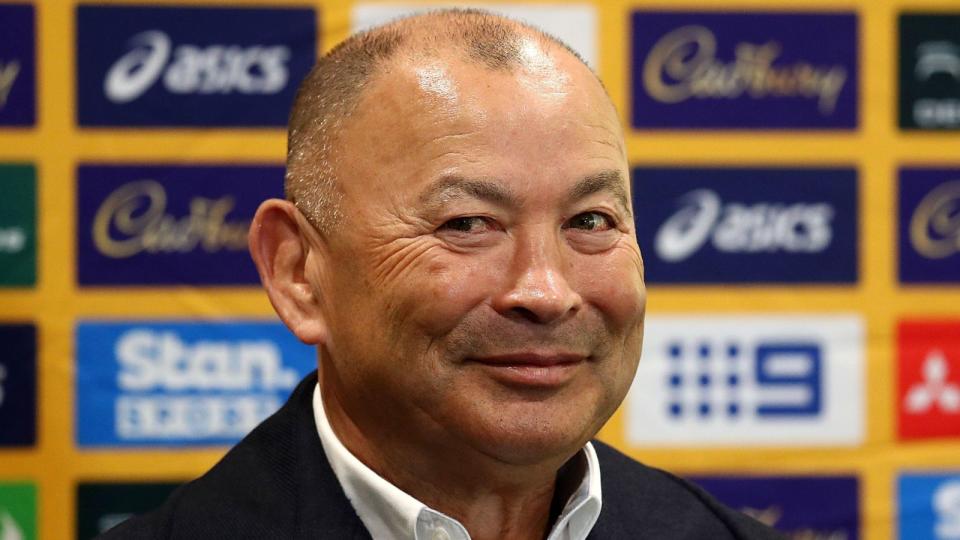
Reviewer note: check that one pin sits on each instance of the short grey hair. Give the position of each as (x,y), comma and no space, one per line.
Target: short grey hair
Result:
(330,92)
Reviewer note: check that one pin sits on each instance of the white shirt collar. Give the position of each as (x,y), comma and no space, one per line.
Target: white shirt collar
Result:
(389,512)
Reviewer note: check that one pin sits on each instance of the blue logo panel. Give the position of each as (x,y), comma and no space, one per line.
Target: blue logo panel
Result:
(18,385)
(191,66)
(929,225)
(711,70)
(749,225)
(182,383)
(169,225)
(17,66)
(800,506)
(929,506)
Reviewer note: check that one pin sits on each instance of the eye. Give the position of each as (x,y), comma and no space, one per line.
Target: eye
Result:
(590,221)
(467,224)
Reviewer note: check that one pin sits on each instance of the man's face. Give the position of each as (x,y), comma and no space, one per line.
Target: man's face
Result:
(485,287)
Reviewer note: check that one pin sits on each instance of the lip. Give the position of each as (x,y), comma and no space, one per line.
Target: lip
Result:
(531,369)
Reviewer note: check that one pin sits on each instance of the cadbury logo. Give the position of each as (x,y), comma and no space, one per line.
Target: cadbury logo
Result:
(133,220)
(935,226)
(683,65)
(216,69)
(8,76)
(741,228)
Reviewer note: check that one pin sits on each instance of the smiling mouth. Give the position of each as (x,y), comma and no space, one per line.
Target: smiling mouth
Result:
(532,370)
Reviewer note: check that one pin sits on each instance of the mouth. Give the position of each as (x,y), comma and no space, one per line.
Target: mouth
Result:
(531,369)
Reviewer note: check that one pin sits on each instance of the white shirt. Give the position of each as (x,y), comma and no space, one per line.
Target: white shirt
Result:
(390,513)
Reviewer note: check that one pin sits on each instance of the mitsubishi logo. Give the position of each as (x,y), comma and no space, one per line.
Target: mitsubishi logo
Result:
(934,389)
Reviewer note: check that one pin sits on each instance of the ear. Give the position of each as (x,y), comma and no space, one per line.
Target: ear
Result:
(281,255)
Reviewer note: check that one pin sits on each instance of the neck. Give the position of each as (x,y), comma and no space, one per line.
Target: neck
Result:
(491,498)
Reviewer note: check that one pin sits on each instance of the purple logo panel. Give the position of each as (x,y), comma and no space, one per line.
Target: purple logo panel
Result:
(17,66)
(801,506)
(191,66)
(929,226)
(169,225)
(713,70)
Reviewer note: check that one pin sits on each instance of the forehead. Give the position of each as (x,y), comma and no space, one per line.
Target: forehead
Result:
(422,113)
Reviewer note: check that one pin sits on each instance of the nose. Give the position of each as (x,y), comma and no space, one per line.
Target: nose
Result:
(538,290)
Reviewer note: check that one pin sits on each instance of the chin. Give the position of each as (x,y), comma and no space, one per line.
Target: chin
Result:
(529,437)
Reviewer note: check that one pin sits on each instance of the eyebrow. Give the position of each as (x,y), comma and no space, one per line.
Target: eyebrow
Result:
(458,187)
(610,181)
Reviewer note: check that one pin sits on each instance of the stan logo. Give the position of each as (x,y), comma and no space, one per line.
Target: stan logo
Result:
(930,225)
(188,383)
(190,66)
(929,382)
(744,70)
(930,71)
(748,381)
(169,224)
(17,66)
(946,504)
(133,220)
(929,506)
(216,69)
(747,225)
(802,507)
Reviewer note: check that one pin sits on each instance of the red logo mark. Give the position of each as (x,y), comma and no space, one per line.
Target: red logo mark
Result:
(929,379)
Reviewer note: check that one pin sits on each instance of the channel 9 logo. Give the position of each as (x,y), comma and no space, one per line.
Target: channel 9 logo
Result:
(772,380)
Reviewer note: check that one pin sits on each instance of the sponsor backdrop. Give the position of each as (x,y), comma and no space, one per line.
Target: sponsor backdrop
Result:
(796,181)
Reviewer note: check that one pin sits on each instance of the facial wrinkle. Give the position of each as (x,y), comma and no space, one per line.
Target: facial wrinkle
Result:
(398,260)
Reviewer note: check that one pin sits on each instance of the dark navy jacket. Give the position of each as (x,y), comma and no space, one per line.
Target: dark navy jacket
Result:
(277,484)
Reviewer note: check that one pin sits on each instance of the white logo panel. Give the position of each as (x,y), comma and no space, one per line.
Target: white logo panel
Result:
(771,380)
(574,24)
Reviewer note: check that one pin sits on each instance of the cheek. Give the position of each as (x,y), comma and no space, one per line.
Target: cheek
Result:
(448,288)
(614,285)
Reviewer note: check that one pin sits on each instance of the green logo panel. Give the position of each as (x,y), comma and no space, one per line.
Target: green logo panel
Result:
(18,226)
(102,506)
(18,511)
(930,70)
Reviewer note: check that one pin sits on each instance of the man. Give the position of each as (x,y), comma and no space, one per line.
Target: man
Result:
(458,243)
